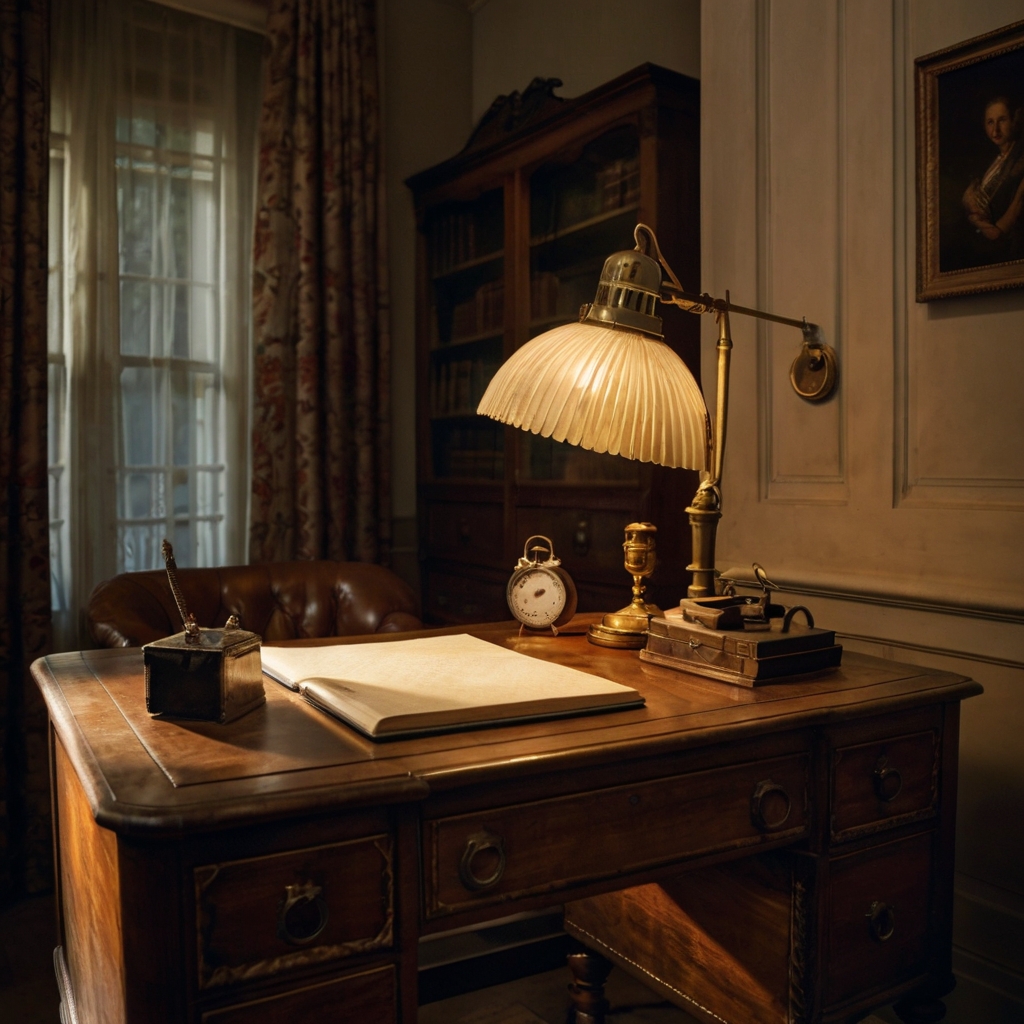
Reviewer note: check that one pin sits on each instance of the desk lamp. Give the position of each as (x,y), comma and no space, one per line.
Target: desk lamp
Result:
(609,383)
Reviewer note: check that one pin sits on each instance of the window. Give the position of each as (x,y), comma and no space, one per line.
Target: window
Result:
(151,225)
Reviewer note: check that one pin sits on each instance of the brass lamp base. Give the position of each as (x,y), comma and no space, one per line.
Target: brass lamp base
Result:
(626,628)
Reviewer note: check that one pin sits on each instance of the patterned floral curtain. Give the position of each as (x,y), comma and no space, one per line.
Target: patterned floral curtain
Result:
(321,416)
(25,843)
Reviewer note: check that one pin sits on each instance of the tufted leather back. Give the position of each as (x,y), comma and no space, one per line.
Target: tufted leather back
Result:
(278,600)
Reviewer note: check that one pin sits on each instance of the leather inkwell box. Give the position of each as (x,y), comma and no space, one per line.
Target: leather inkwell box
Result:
(209,675)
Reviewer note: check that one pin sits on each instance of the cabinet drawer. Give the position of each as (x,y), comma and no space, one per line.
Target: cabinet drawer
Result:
(882,784)
(261,917)
(878,912)
(466,531)
(494,856)
(451,598)
(355,999)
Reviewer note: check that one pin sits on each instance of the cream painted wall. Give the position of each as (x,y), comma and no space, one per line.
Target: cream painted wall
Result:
(896,508)
(583,42)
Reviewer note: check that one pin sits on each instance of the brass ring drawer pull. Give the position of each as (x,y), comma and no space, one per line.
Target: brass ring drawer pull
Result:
(881,921)
(770,806)
(887,781)
(477,844)
(304,927)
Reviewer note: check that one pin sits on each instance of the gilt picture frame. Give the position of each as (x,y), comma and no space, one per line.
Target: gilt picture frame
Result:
(969,101)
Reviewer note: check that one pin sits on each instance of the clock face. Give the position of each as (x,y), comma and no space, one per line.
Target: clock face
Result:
(537,597)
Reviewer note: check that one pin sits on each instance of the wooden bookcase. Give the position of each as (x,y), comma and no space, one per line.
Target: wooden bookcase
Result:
(512,234)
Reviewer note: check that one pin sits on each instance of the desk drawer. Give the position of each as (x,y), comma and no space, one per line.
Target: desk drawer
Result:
(261,917)
(355,999)
(883,784)
(878,914)
(499,855)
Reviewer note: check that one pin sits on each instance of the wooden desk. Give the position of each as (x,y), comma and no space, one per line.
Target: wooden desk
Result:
(179,845)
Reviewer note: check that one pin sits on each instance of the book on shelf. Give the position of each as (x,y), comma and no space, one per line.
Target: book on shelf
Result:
(457,387)
(485,463)
(618,183)
(490,305)
(484,312)
(452,241)
(464,319)
(543,295)
(433,684)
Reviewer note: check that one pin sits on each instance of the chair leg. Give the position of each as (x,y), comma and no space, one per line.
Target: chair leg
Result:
(926,1006)
(589,971)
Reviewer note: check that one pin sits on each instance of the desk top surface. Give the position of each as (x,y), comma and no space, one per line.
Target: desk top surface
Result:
(144,775)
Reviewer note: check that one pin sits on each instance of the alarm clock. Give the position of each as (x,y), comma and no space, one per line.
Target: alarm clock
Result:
(541,594)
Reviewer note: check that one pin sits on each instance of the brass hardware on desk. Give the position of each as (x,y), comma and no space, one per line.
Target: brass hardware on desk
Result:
(477,844)
(887,781)
(298,901)
(881,921)
(628,626)
(770,806)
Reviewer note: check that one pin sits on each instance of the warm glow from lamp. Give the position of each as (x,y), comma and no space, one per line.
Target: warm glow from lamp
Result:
(610,383)
(607,390)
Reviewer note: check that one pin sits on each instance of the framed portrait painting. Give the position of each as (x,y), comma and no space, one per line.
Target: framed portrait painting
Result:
(970,166)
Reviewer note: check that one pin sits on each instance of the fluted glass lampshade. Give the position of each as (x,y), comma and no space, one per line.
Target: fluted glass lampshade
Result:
(607,390)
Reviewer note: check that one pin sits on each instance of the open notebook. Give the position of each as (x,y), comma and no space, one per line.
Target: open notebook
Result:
(438,684)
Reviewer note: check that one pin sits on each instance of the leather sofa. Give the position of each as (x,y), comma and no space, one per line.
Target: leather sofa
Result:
(278,600)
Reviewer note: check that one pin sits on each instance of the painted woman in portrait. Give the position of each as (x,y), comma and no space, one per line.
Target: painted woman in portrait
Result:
(994,201)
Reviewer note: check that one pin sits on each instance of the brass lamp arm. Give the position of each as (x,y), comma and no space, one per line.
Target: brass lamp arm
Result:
(813,376)
(673,292)
(708,304)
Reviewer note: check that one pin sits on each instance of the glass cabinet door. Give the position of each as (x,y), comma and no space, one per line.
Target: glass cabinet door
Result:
(580,213)
(465,243)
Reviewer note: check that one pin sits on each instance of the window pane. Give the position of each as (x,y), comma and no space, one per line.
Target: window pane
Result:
(136,317)
(135,199)
(203,326)
(208,543)
(182,541)
(58,586)
(206,417)
(142,415)
(181,491)
(144,129)
(56,402)
(55,244)
(204,229)
(209,491)
(143,496)
(139,547)
(178,312)
(181,418)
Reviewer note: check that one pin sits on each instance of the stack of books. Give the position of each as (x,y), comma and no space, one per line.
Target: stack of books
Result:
(742,656)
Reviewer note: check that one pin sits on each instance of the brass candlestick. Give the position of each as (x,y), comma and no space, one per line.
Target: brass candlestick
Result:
(628,626)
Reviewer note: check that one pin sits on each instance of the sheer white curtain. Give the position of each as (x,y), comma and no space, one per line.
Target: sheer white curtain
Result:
(154,121)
